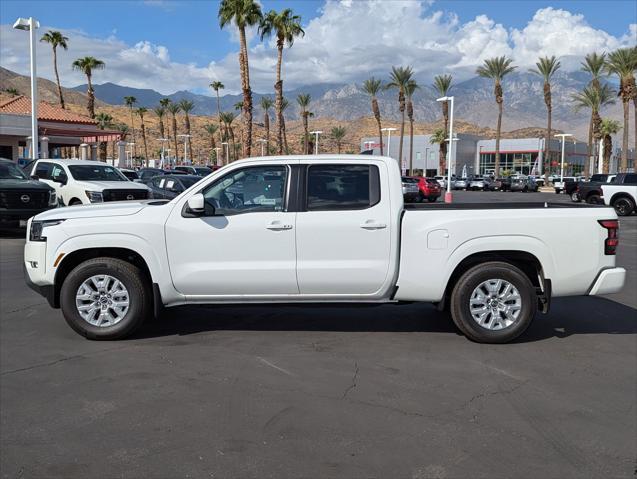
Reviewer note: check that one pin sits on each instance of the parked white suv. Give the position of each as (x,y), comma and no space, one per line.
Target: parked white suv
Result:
(83,182)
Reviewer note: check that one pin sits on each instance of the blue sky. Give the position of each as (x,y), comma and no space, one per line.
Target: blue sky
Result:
(139,38)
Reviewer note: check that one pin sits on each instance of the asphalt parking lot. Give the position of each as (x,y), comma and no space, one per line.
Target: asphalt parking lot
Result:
(320,391)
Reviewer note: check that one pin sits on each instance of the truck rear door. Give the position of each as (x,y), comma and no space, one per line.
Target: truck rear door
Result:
(344,228)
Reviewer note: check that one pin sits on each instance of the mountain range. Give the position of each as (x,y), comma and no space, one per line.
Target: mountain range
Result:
(474,103)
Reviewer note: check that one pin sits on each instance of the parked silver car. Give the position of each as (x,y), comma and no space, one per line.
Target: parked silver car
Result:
(523,183)
(460,184)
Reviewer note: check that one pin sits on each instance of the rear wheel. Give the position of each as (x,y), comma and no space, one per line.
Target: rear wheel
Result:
(493,302)
(575,197)
(105,298)
(623,206)
(432,200)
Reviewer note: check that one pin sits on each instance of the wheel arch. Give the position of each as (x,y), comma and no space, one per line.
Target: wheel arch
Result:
(619,195)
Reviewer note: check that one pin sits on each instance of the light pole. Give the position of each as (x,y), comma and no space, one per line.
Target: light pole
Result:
(227,151)
(316,138)
(217,148)
(162,140)
(131,144)
(388,130)
(448,195)
(263,142)
(30,24)
(168,150)
(563,137)
(185,137)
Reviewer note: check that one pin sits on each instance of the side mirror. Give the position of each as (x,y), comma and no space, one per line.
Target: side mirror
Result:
(195,206)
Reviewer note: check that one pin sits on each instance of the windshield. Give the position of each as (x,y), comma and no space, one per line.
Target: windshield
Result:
(131,175)
(96,173)
(9,171)
(203,171)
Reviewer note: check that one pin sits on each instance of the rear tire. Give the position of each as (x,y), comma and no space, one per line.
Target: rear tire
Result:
(575,197)
(501,323)
(432,200)
(138,294)
(624,206)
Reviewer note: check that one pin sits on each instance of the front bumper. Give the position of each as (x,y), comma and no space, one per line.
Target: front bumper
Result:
(48,290)
(608,281)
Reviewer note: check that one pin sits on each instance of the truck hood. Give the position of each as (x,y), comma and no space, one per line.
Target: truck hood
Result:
(110,185)
(15,184)
(114,208)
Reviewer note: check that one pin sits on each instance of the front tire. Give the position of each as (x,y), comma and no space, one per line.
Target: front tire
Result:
(105,298)
(493,302)
(594,199)
(575,197)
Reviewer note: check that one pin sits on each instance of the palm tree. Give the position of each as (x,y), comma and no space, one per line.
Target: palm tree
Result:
(623,63)
(593,64)
(243,13)
(546,68)
(594,99)
(372,87)
(608,127)
(409,92)
(86,65)
(216,86)
(227,118)
(304,100)
(141,111)
(130,101)
(284,105)
(399,79)
(442,84)
(211,130)
(266,104)
(104,121)
(238,106)
(439,137)
(338,133)
(160,111)
(56,39)
(496,69)
(12,91)
(286,26)
(173,109)
(187,106)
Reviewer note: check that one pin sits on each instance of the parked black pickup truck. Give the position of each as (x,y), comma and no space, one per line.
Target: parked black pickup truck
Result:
(20,197)
(591,192)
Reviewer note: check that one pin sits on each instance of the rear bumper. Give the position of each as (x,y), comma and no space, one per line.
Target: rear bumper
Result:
(608,281)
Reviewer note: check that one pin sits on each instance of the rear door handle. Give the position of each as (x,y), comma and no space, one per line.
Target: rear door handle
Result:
(278,226)
(372,225)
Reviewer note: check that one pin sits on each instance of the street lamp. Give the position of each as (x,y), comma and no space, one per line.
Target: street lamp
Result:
(162,140)
(448,195)
(316,136)
(388,130)
(30,24)
(130,151)
(168,150)
(263,142)
(227,151)
(185,137)
(563,137)
(217,148)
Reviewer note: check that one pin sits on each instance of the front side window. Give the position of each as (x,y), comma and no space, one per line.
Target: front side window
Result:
(252,189)
(96,173)
(342,187)
(43,170)
(58,174)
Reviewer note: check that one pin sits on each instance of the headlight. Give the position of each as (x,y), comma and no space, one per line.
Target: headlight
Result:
(94,196)
(37,229)
(53,199)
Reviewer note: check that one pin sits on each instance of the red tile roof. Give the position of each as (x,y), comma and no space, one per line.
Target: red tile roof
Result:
(21,105)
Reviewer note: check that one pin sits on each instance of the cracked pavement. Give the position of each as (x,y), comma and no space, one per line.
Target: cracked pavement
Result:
(319,391)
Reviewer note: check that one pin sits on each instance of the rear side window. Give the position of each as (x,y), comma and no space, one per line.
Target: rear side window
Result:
(43,170)
(631,179)
(342,187)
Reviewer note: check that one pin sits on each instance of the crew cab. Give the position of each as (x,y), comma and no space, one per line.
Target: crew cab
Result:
(592,193)
(78,182)
(325,228)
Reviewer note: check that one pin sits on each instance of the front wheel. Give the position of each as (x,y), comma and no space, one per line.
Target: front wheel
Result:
(493,302)
(623,206)
(105,298)
(432,199)
(594,199)
(575,197)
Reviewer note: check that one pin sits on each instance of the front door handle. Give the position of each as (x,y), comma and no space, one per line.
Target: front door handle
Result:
(278,226)
(372,225)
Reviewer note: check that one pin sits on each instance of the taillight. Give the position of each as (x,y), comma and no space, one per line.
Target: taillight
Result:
(612,240)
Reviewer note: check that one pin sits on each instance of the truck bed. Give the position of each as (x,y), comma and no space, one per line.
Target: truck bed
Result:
(496,206)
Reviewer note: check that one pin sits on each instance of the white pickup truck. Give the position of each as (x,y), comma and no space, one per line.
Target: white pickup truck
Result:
(327,228)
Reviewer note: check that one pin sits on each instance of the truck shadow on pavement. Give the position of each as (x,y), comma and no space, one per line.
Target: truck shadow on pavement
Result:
(569,316)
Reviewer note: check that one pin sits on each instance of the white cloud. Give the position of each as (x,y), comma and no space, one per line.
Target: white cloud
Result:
(348,41)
